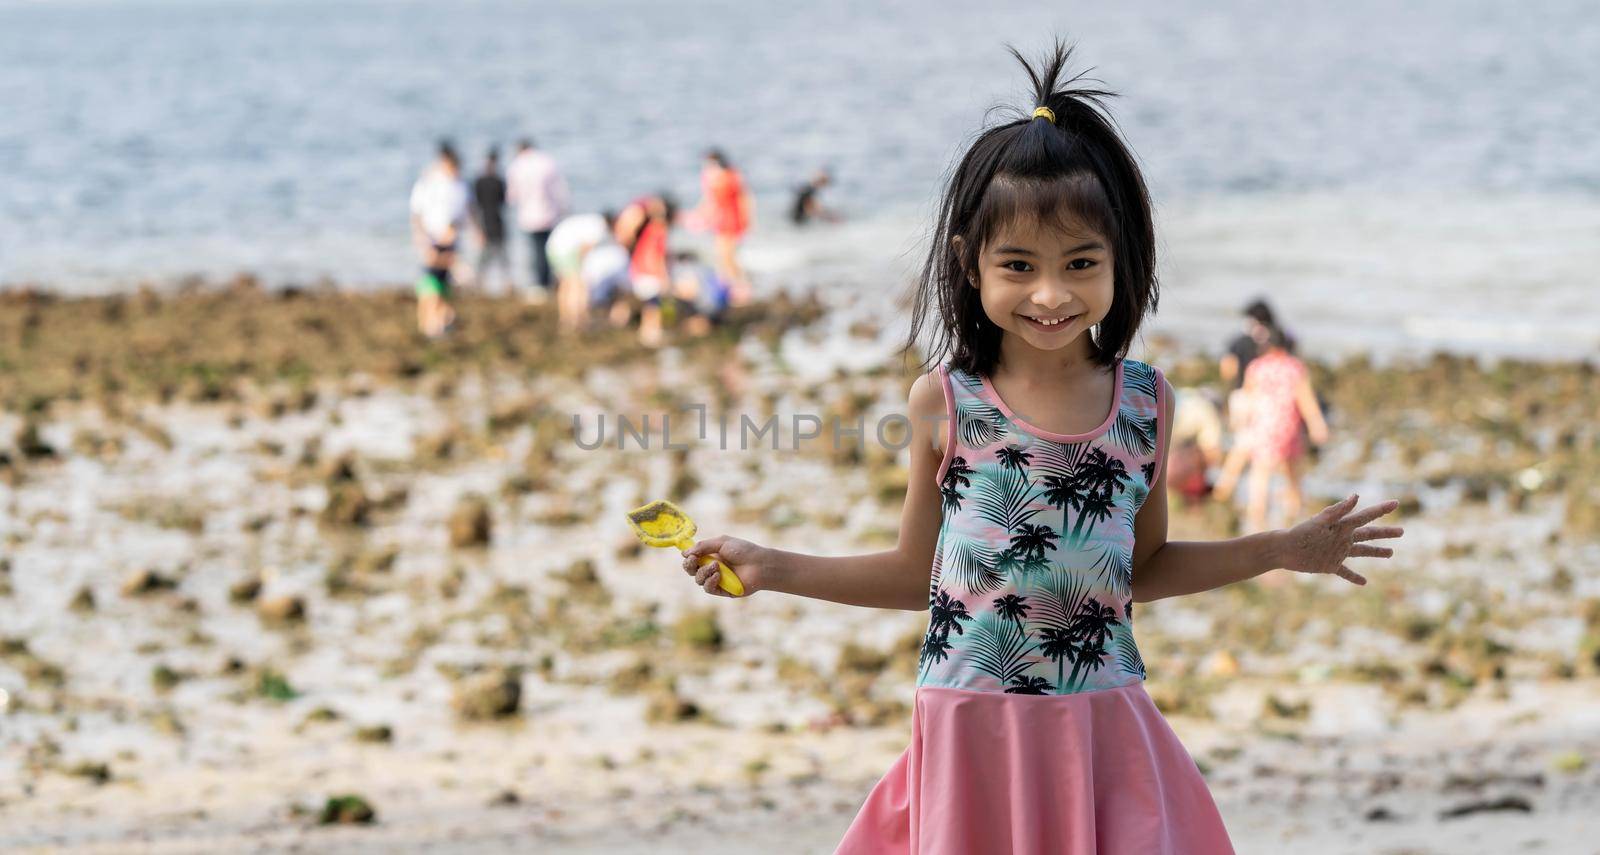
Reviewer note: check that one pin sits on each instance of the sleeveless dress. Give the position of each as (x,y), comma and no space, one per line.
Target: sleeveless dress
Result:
(1273,433)
(1031,729)
(722,189)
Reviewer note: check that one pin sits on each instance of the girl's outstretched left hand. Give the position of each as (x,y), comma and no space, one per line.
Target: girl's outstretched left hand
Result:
(1323,543)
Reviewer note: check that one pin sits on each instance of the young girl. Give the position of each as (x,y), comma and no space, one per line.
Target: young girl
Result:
(1278,387)
(1036,516)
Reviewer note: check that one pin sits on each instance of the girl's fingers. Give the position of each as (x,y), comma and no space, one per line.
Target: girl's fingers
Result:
(1337,510)
(1369,514)
(1361,550)
(1377,532)
(697,555)
(710,544)
(1349,575)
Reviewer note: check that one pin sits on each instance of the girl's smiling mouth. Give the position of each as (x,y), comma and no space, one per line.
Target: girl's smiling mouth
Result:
(1045,324)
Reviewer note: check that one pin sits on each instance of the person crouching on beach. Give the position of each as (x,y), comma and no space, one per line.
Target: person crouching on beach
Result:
(699,294)
(438,214)
(643,227)
(570,243)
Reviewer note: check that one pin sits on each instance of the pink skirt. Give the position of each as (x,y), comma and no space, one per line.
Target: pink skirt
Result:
(1079,774)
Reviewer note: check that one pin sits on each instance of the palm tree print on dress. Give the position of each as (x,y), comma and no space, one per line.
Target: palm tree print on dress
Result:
(998,647)
(1003,496)
(935,648)
(1013,457)
(1012,606)
(970,565)
(1032,581)
(1028,546)
(1134,432)
(1128,654)
(1116,568)
(1025,685)
(1102,472)
(1096,507)
(945,615)
(1091,627)
(1140,378)
(1060,595)
(955,477)
(1015,608)
(979,424)
(1084,480)
(1137,431)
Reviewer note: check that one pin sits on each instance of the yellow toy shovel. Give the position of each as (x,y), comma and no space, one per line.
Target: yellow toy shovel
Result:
(664,524)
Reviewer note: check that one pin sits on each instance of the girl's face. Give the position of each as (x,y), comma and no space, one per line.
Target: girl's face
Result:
(1046,285)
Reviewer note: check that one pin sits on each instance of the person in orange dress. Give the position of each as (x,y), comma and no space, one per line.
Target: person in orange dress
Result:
(727,210)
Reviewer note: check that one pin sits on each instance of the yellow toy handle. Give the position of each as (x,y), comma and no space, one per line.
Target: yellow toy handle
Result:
(730,582)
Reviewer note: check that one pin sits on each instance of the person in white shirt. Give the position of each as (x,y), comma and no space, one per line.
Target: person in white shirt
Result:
(538,191)
(568,246)
(438,214)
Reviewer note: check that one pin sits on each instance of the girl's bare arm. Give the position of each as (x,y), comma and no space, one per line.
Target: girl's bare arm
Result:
(893,579)
(1311,411)
(1319,545)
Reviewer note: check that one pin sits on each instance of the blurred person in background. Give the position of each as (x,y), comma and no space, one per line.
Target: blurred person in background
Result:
(699,294)
(1281,401)
(488,213)
(1259,322)
(535,186)
(642,227)
(1196,444)
(727,210)
(438,213)
(1248,344)
(807,206)
(569,244)
(606,282)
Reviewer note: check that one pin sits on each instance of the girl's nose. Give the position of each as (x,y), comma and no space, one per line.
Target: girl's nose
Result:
(1051,296)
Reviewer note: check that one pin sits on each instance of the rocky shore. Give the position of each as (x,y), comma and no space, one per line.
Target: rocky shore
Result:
(276,573)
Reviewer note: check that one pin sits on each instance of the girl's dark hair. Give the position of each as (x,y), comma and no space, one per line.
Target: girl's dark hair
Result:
(1073,170)
(1279,337)
(447,152)
(1260,312)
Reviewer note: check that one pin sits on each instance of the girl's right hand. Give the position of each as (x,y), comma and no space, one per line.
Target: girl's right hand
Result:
(749,561)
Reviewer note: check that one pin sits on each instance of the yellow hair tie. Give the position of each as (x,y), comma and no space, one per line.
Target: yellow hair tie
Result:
(1046,112)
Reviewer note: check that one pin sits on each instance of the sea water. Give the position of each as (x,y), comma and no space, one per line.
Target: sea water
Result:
(1393,176)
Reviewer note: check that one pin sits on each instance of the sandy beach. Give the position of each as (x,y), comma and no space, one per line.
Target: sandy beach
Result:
(278,576)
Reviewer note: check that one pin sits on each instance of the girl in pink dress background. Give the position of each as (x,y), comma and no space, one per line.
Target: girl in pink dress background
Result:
(1036,515)
(1279,403)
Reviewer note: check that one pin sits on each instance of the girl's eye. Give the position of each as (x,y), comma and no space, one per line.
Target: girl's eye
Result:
(1080,264)
(1017,266)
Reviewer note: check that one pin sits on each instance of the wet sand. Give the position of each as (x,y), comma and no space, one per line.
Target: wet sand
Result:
(263,551)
